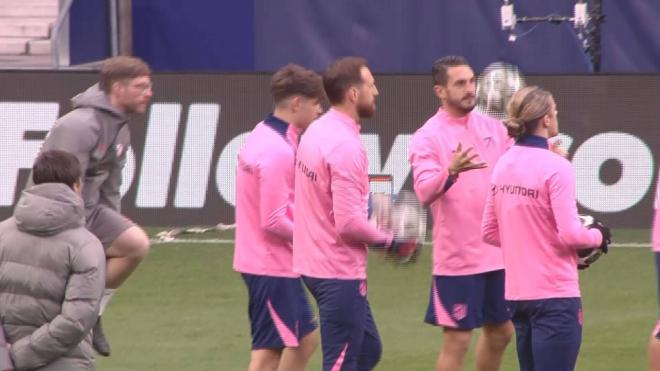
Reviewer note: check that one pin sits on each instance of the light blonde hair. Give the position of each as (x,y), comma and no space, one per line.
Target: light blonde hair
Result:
(525,109)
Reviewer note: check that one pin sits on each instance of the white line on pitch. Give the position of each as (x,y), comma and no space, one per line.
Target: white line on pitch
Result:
(231,242)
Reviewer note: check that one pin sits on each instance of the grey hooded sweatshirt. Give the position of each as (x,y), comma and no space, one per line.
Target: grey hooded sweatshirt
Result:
(52,275)
(97,134)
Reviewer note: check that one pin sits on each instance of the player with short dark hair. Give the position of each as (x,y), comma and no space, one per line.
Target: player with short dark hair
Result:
(96,131)
(531,213)
(52,272)
(452,156)
(284,334)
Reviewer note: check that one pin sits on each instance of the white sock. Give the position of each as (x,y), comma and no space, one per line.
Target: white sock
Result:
(105,299)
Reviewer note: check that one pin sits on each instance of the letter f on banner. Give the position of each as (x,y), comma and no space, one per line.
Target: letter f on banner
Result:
(16,119)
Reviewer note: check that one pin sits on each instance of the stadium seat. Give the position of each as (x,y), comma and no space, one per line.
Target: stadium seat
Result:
(25,26)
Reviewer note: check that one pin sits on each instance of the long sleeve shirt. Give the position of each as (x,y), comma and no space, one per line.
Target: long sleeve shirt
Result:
(656,223)
(531,213)
(457,204)
(264,201)
(331,231)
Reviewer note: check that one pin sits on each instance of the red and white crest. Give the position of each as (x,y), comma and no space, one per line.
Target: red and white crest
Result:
(459,311)
(363,288)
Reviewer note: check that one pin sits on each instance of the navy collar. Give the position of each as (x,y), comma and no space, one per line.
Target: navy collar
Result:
(277,124)
(533,141)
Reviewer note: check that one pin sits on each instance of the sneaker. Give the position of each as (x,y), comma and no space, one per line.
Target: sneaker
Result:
(99,342)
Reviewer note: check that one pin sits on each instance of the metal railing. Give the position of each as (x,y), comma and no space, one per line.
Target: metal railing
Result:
(120,32)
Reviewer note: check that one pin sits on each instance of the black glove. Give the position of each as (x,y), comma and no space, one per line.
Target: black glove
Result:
(607,235)
(404,250)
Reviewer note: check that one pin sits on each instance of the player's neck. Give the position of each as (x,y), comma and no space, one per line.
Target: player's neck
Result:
(283,114)
(114,101)
(541,132)
(455,112)
(347,109)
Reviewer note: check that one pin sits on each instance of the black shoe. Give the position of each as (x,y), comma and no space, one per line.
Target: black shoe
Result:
(99,342)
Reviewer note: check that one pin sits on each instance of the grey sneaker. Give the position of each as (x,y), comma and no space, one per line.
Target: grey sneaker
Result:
(99,342)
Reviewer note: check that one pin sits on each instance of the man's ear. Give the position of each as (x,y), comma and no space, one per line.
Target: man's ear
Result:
(439,91)
(546,120)
(77,186)
(352,94)
(294,103)
(116,86)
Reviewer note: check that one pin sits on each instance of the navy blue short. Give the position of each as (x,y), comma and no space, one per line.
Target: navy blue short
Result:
(656,331)
(280,314)
(349,336)
(467,302)
(548,333)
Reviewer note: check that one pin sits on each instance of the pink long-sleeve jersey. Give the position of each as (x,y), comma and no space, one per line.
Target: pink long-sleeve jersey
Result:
(457,206)
(656,224)
(531,213)
(264,201)
(331,232)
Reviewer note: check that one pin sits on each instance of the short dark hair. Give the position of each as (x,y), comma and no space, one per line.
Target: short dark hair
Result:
(293,79)
(120,68)
(341,75)
(440,67)
(56,166)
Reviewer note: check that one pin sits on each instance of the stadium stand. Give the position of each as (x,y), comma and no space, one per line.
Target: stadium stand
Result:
(25,29)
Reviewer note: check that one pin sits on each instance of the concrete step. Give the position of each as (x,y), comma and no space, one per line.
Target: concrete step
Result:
(25,27)
(27,10)
(25,62)
(13,45)
(38,47)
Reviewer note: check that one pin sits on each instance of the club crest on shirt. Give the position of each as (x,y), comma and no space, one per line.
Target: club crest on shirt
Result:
(459,311)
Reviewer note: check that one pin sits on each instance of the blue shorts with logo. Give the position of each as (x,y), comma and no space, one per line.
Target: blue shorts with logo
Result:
(548,333)
(467,302)
(280,314)
(349,336)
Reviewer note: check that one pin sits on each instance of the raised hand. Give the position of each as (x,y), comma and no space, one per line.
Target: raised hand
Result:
(464,161)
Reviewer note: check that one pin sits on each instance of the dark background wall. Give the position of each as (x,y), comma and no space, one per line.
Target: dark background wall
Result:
(401,36)
(183,154)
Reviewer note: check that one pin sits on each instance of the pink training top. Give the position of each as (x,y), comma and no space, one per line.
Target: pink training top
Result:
(531,213)
(264,201)
(656,223)
(331,232)
(457,207)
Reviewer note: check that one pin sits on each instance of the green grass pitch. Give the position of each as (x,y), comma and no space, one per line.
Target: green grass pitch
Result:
(185,309)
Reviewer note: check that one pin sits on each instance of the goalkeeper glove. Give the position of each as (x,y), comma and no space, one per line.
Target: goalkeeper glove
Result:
(605,231)
(404,250)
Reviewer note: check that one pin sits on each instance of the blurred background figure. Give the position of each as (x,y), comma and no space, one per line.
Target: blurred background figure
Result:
(495,86)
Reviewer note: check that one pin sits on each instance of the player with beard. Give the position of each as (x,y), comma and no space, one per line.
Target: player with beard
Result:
(96,131)
(452,156)
(331,231)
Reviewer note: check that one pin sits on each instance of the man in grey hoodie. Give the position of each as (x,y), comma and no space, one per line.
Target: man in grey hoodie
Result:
(52,272)
(97,133)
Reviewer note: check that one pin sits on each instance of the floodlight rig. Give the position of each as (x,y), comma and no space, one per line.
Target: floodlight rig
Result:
(586,24)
